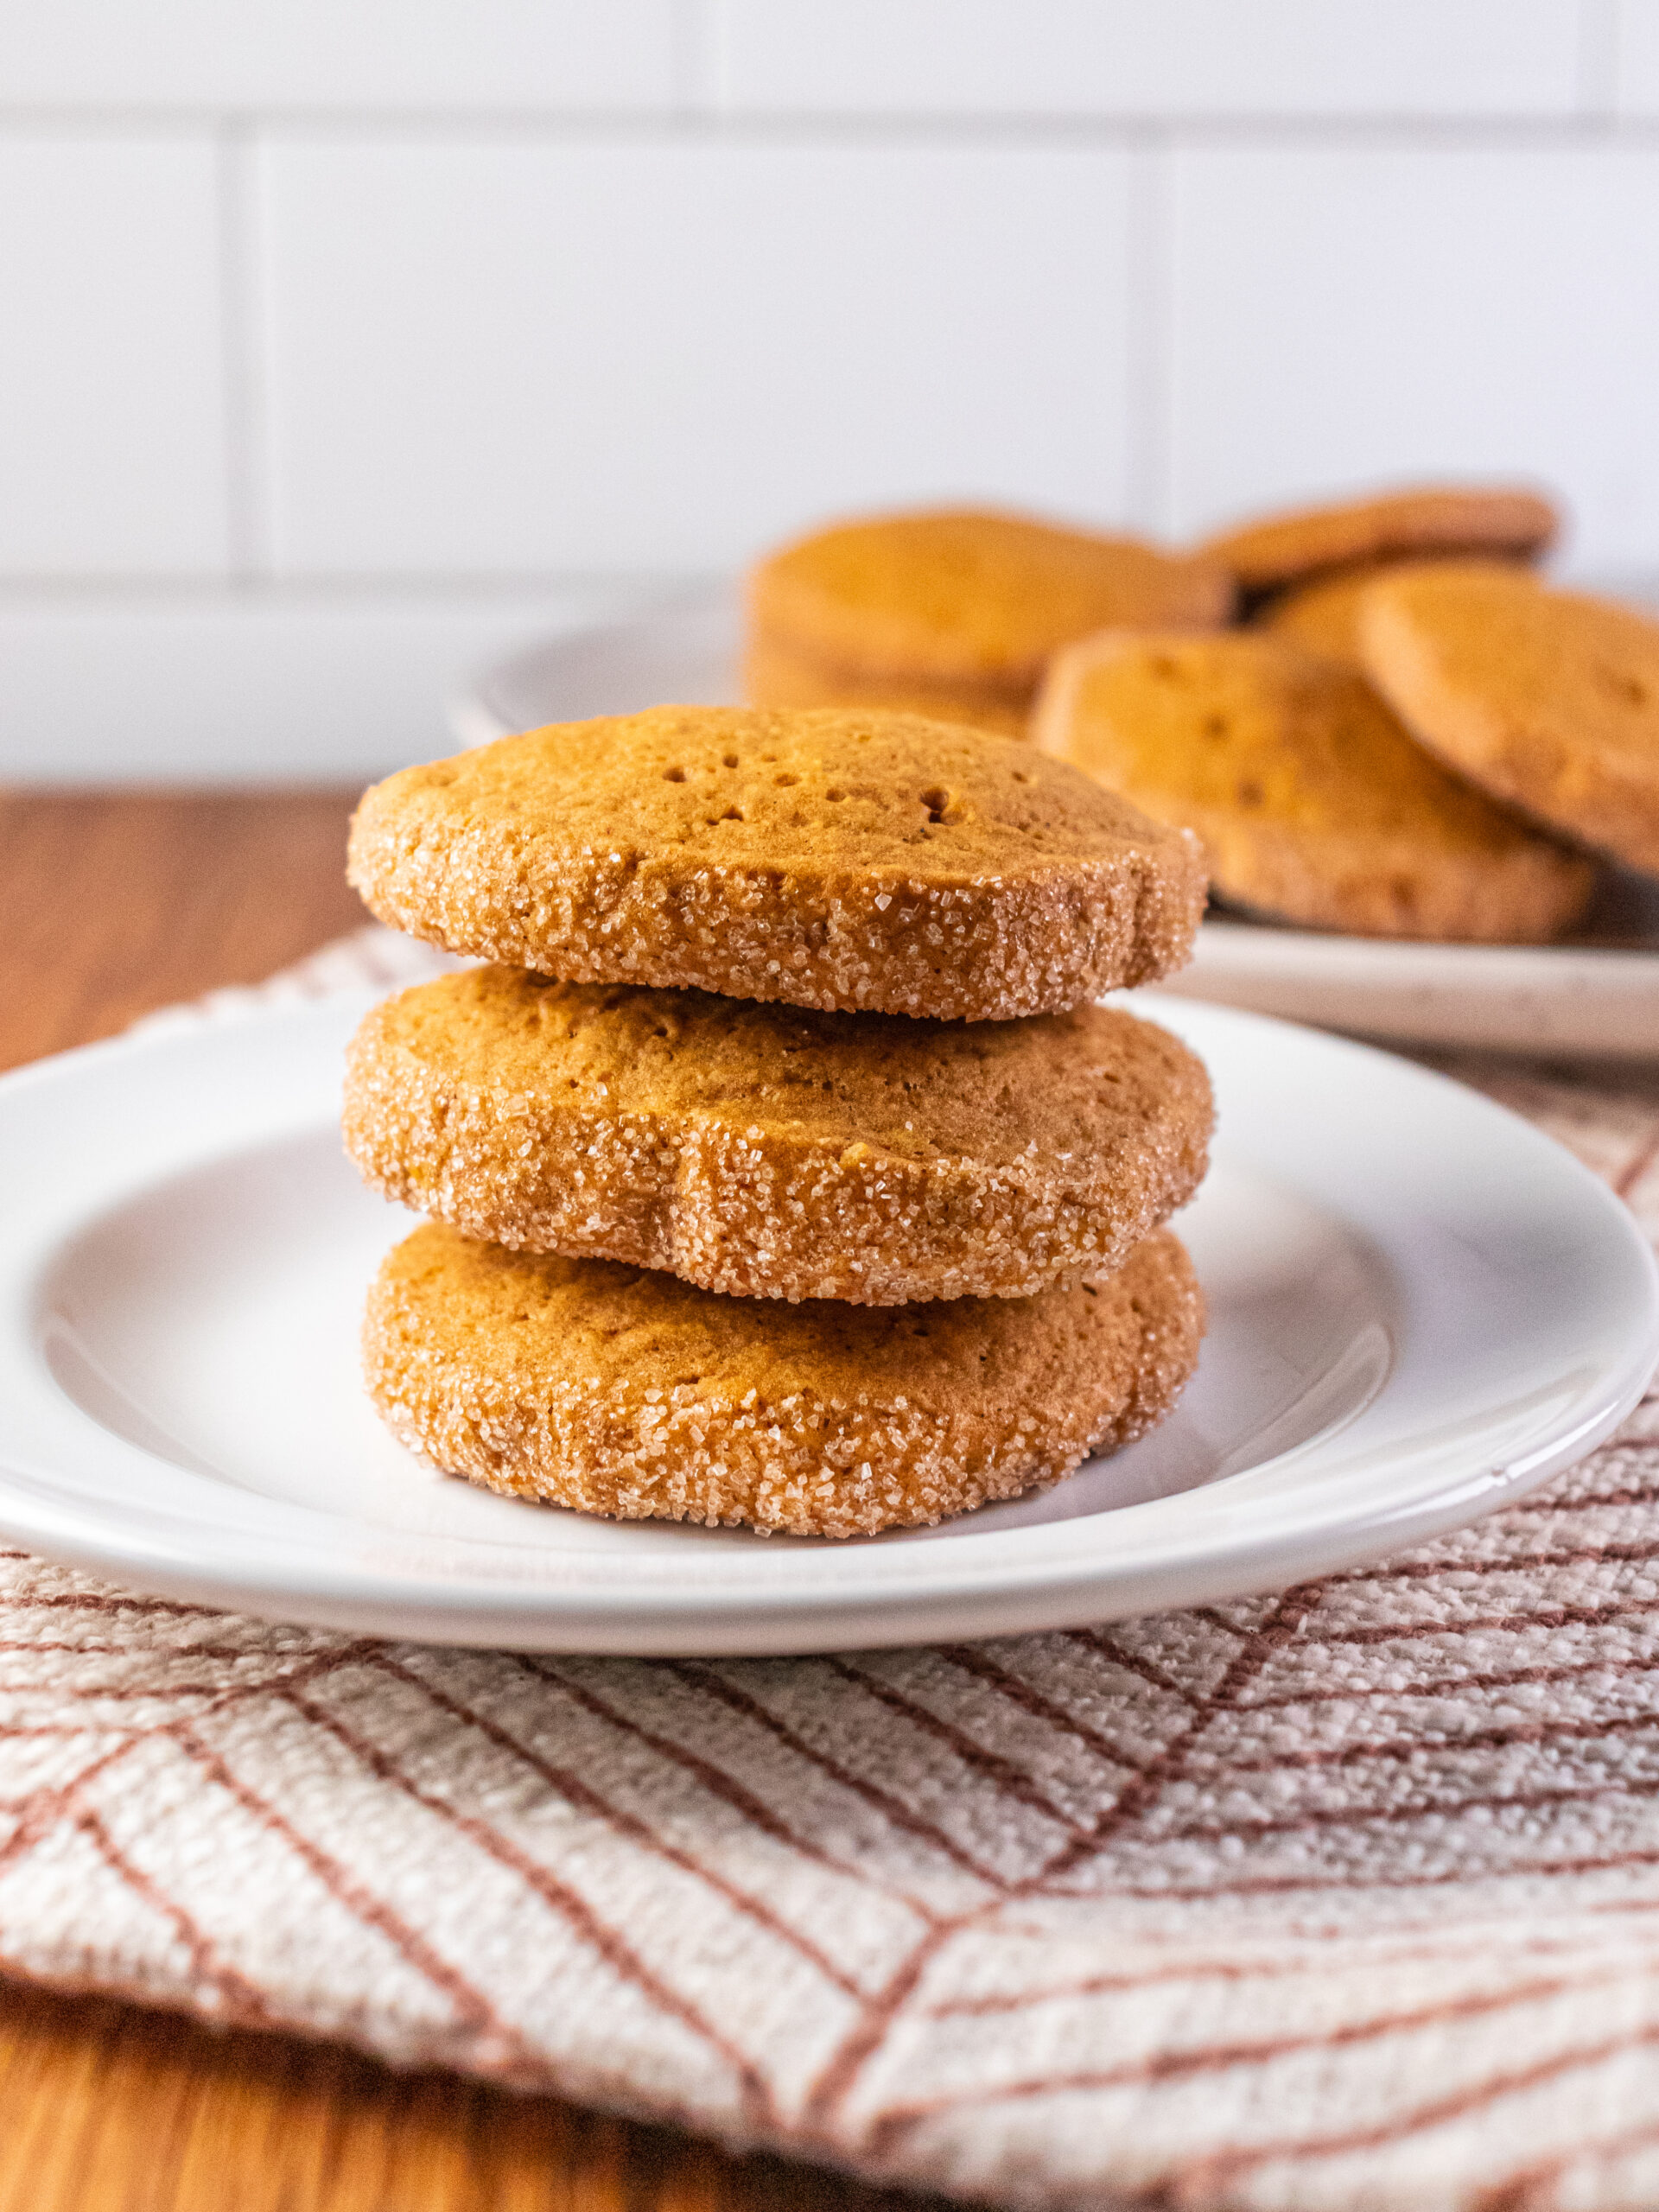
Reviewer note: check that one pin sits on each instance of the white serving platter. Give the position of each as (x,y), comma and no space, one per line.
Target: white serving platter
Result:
(1418,1307)
(1595,996)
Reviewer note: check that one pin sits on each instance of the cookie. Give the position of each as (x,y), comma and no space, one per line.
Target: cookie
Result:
(770,1152)
(1313,804)
(970,601)
(1323,617)
(1434,519)
(829,858)
(774,676)
(619,1392)
(1548,699)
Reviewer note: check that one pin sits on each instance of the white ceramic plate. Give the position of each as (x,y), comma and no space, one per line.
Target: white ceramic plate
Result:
(1418,1307)
(1598,995)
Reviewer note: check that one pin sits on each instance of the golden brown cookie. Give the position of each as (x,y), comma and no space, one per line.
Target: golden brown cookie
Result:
(634,1394)
(775,675)
(771,1151)
(968,601)
(831,858)
(1313,804)
(1432,519)
(1548,699)
(1323,617)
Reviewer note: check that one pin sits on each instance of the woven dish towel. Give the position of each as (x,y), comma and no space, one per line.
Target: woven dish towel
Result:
(1344,1897)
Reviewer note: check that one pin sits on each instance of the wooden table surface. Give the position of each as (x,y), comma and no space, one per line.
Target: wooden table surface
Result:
(111,904)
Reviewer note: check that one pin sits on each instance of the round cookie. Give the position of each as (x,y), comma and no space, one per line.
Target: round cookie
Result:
(1323,616)
(1282,548)
(770,1152)
(634,1394)
(774,676)
(969,599)
(828,857)
(1312,803)
(1548,699)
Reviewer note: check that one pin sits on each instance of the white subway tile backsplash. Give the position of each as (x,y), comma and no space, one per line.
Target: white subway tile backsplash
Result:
(1636,47)
(1340,317)
(292,688)
(592,357)
(1124,57)
(336,332)
(112,418)
(367,54)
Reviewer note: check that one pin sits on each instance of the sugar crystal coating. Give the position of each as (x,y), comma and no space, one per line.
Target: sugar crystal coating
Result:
(859,861)
(774,1152)
(622,1392)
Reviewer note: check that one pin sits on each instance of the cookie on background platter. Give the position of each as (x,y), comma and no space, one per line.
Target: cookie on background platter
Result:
(1313,804)
(767,1151)
(959,604)
(853,860)
(621,1392)
(1268,551)
(1549,700)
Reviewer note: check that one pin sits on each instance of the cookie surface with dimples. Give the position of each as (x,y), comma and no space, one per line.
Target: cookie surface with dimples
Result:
(619,1392)
(1312,803)
(1549,700)
(772,1151)
(864,861)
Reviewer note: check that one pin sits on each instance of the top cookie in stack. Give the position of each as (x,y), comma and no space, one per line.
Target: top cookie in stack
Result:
(638,1089)
(869,862)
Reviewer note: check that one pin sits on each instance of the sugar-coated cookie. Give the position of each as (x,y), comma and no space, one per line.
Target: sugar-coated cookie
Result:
(1548,699)
(1313,804)
(773,1152)
(970,600)
(831,858)
(617,1391)
(1432,519)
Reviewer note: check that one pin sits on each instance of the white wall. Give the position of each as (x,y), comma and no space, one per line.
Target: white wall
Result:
(344,342)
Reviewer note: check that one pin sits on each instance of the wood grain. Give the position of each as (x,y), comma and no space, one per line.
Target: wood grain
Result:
(111,904)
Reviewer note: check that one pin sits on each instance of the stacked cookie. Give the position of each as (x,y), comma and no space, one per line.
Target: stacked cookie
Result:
(782,1171)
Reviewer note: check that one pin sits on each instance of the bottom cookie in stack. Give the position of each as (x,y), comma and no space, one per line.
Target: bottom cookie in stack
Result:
(625,1391)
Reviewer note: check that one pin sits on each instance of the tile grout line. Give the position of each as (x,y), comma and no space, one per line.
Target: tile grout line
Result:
(698,111)
(247,476)
(699,50)
(1599,27)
